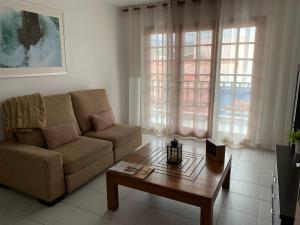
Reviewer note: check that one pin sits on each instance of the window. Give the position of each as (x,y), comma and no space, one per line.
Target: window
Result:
(161,53)
(235,80)
(194,73)
(196,51)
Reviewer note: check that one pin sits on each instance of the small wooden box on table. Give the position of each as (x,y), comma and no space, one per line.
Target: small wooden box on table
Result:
(215,150)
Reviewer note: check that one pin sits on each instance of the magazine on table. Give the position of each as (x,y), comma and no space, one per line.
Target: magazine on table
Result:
(144,172)
(132,169)
(126,168)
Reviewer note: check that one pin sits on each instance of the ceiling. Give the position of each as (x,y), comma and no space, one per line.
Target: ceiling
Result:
(122,3)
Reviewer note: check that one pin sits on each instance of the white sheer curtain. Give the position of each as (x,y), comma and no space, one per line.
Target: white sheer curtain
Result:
(176,44)
(256,74)
(223,68)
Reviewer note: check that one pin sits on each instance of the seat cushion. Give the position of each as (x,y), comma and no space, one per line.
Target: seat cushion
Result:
(87,103)
(118,134)
(82,153)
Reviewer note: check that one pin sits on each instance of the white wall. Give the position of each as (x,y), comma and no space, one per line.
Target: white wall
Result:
(92,30)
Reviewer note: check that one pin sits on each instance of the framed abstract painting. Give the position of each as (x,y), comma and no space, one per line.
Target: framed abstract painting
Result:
(32,41)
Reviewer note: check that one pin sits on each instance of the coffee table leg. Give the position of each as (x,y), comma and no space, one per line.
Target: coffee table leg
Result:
(206,214)
(112,194)
(226,183)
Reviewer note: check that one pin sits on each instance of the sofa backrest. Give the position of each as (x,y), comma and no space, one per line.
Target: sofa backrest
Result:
(87,103)
(59,109)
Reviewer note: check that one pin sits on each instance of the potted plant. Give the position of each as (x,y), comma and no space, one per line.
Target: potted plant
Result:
(294,137)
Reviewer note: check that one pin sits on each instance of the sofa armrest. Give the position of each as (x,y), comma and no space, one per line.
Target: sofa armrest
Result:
(32,170)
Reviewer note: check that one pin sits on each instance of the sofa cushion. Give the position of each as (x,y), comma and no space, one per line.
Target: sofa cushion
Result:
(33,137)
(118,134)
(87,103)
(59,109)
(82,153)
(102,120)
(60,134)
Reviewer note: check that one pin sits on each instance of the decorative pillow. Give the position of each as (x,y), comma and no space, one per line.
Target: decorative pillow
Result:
(61,134)
(32,137)
(102,120)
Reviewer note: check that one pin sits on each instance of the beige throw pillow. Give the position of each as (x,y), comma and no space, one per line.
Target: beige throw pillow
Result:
(61,134)
(102,120)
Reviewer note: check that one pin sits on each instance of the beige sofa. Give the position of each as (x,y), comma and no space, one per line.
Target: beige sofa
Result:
(50,174)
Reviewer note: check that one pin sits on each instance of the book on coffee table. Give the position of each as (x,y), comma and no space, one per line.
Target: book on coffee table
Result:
(144,172)
(126,168)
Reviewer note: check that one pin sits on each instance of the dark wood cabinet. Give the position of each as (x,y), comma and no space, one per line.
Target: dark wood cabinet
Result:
(288,182)
(297,213)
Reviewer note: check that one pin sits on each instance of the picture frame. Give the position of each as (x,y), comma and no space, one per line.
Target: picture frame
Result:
(32,40)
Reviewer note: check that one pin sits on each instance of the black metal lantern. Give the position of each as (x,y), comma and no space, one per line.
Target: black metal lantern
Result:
(174,152)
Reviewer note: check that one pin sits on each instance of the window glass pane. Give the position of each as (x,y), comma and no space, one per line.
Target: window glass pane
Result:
(189,67)
(204,78)
(247,34)
(204,67)
(158,68)
(205,37)
(226,78)
(243,79)
(227,66)
(229,35)
(158,54)
(189,53)
(246,51)
(245,67)
(228,51)
(154,40)
(190,38)
(205,52)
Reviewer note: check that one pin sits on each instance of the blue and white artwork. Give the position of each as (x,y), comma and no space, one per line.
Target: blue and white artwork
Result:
(29,40)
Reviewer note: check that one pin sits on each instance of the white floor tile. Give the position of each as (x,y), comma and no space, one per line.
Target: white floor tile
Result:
(9,197)
(8,217)
(78,217)
(265,193)
(79,197)
(102,221)
(139,197)
(249,166)
(26,221)
(265,210)
(25,206)
(230,217)
(183,221)
(242,204)
(168,205)
(244,188)
(98,183)
(264,222)
(97,204)
(267,179)
(51,215)
(157,217)
(247,176)
(128,213)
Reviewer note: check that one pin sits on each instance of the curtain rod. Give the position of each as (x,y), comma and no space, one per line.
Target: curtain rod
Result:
(179,2)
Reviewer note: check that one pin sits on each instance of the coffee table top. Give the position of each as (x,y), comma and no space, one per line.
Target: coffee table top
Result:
(198,175)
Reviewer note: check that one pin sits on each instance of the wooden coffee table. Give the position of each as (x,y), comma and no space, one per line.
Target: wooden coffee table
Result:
(197,181)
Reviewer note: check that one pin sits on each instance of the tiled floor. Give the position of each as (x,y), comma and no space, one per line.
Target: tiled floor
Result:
(247,202)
